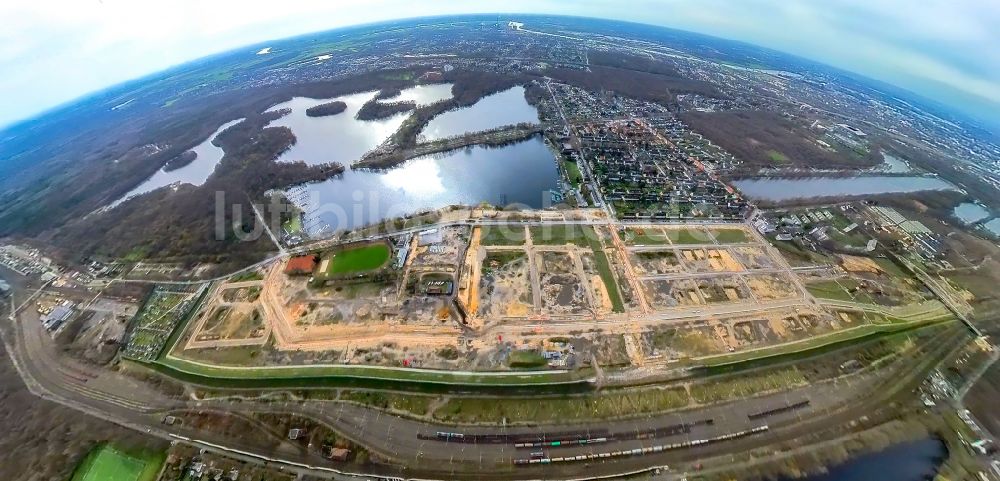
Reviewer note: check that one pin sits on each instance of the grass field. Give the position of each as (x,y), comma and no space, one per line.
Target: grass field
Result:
(608,277)
(247,276)
(626,403)
(688,236)
(372,377)
(777,157)
(107,463)
(730,236)
(811,346)
(603,265)
(573,173)
(561,234)
(634,236)
(837,290)
(293,225)
(416,405)
(526,359)
(501,235)
(359,259)
(746,385)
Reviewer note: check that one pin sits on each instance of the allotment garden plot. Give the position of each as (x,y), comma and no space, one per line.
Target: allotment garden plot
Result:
(161,314)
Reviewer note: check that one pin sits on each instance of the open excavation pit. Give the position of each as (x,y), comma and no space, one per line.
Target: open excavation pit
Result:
(561,280)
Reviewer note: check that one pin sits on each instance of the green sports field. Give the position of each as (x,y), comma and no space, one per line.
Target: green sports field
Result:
(107,463)
(359,259)
(730,236)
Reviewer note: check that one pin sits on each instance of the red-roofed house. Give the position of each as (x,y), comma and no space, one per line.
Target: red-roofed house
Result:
(300,266)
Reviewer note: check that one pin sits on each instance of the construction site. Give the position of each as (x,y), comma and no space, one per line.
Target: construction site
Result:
(504,295)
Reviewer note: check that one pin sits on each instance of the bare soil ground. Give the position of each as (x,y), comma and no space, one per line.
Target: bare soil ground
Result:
(95,334)
(649,262)
(766,287)
(504,286)
(752,257)
(674,293)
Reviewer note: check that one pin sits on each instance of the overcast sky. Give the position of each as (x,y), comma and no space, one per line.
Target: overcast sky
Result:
(52,51)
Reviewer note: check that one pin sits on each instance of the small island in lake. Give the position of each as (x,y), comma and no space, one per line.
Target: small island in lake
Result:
(375,110)
(329,108)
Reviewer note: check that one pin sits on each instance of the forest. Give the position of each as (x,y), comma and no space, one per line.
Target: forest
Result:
(767,139)
(377,110)
(203,223)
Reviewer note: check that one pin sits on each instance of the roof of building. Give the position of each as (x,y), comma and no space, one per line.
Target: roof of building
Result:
(914,227)
(889,215)
(431,236)
(58,314)
(300,264)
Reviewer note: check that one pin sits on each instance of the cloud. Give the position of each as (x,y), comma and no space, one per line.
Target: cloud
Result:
(55,50)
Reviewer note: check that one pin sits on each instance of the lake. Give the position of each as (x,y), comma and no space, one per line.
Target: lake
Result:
(969,212)
(502,108)
(335,138)
(993,226)
(423,94)
(195,173)
(912,461)
(774,189)
(519,173)
(341,137)
(893,164)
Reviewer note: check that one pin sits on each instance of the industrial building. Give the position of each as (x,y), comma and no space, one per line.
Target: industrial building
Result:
(57,316)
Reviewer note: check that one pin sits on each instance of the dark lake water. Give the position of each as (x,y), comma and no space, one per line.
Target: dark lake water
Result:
(519,173)
(502,108)
(913,461)
(788,189)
